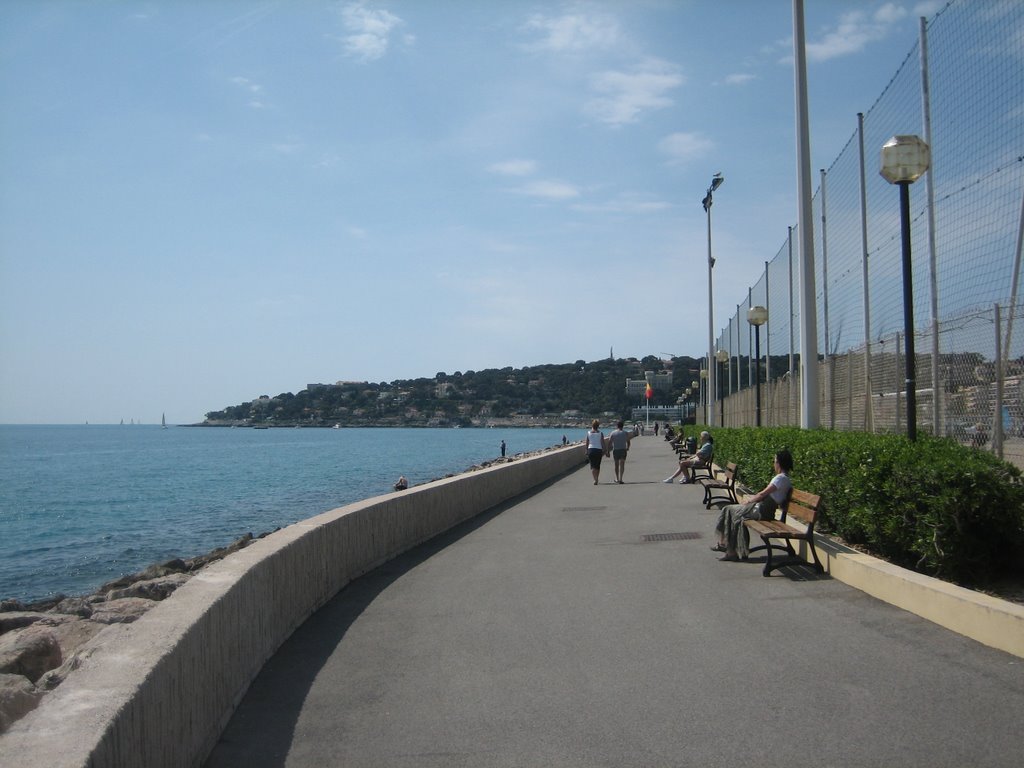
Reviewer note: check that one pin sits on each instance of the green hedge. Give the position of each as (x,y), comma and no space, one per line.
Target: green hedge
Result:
(931,505)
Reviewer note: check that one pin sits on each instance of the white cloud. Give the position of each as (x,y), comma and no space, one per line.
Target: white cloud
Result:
(625,95)
(739,79)
(253,89)
(549,190)
(513,167)
(572,33)
(369,31)
(855,31)
(625,204)
(681,146)
(928,7)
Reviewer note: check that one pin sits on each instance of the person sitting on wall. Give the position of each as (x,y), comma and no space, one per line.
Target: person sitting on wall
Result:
(701,459)
(402,484)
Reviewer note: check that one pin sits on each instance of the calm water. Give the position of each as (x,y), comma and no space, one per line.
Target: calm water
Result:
(81,505)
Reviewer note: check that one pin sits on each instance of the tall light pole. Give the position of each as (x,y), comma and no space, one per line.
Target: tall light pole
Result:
(704,387)
(722,357)
(716,182)
(757,316)
(904,161)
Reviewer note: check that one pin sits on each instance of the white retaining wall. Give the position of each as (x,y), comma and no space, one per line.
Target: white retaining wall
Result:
(158,692)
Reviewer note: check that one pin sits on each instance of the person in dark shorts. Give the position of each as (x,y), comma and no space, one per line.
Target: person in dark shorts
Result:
(596,446)
(619,440)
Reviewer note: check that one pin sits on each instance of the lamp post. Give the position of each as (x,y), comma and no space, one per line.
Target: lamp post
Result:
(716,182)
(904,161)
(722,357)
(704,388)
(757,316)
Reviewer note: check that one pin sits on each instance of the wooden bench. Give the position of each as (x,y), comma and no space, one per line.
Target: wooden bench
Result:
(682,449)
(804,507)
(721,488)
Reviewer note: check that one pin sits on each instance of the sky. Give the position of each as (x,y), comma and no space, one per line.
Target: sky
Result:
(205,202)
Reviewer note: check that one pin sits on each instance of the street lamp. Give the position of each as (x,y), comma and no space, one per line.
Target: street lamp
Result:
(716,182)
(722,357)
(757,316)
(704,387)
(904,161)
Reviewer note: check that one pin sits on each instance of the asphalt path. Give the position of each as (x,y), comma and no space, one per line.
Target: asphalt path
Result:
(554,631)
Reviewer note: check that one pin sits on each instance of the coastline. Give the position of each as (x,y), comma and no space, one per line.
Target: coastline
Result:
(44,641)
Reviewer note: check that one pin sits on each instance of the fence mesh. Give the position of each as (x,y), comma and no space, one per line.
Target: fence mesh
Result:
(966,225)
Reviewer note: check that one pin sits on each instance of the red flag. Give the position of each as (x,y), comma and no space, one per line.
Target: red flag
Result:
(650,391)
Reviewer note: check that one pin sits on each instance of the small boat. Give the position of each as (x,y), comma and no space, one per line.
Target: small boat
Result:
(163,421)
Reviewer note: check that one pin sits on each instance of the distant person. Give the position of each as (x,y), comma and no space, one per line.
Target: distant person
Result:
(619,441)
(655,429)
(733,537)
(596,447)
(700,459)
(564,440)
(402,483)
(503,449)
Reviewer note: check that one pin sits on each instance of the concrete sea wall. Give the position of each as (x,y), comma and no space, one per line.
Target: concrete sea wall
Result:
(158,692)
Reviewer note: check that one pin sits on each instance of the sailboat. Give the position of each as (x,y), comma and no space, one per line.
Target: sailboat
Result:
(163,421)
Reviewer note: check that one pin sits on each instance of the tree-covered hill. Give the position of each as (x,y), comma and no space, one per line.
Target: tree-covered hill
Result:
(567,393)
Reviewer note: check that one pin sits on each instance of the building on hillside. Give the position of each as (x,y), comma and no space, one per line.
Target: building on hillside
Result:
(661,381)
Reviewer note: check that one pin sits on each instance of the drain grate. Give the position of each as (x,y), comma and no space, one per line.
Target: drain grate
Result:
(584,509)
(684,536)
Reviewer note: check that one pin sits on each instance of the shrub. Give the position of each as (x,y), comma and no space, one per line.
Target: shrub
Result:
(931,505)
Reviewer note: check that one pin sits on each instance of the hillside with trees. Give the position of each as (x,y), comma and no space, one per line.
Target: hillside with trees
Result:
(543,395)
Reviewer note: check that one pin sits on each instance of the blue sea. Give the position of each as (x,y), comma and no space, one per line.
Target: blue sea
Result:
(82,505)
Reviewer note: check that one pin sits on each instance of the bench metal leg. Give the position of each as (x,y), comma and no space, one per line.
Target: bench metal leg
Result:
(793,558)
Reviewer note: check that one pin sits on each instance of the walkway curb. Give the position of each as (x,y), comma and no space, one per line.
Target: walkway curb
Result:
(989,620)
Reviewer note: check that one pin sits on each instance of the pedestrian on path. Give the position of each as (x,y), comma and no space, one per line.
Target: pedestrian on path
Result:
(619,441)
(596,447)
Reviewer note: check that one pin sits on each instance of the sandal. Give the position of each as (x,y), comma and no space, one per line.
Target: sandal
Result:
(718,548)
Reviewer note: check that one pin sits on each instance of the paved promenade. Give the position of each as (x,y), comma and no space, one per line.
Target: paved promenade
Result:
(551,632)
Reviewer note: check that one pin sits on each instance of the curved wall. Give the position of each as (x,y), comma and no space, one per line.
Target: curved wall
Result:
(159,692)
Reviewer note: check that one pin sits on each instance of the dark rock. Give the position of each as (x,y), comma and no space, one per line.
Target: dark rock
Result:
(151,589)
(121,611)
(30,652)
(18,697)
(74,606)
(18,619)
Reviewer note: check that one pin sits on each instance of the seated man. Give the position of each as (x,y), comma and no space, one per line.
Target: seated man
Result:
(702,458)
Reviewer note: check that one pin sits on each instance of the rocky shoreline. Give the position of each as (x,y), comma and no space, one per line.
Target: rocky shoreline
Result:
(44,641)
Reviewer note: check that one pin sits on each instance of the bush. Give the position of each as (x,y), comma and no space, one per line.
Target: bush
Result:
(932,505)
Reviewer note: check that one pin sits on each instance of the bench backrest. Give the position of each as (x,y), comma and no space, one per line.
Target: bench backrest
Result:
(731,472)
(803,506)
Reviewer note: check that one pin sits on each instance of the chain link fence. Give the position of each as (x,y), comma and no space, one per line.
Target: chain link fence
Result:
(961,86)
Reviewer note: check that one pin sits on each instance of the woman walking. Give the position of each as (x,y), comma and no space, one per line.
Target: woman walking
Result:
(596,447)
